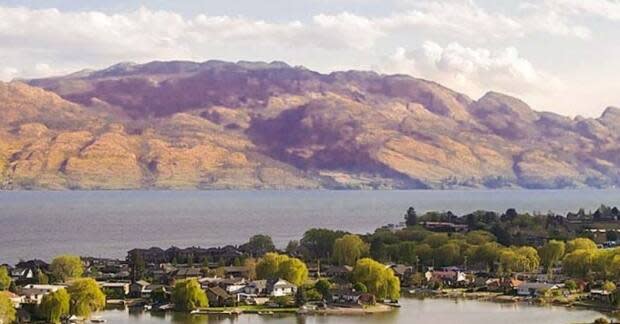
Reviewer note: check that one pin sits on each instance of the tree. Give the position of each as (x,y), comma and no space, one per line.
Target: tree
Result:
(320,242)
(5,279)
(274,266)
(436,240)
(349,248)
(86,297)
(300,297)
(291,247)
(7,311)
(258,245)
(323,286)
(187,295)
(294,271)
(360,287)
(137,264)
(250,264)
(54,306)
(551,253)
(379,279)
(479,237)
(42,278)
(66,267)
(269,266)
(609,286)
(411,217)
(578,263)
(447,254)
(580,243)
(570,284)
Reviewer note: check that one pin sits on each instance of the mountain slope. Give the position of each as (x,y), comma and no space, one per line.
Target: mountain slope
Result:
(270,125)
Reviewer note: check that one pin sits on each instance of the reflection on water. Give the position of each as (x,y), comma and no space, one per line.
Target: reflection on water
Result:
(423,311)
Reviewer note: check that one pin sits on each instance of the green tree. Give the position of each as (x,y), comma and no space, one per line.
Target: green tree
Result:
(551,253)
(258,245)
(580,243)
(42,278)
(300,297)
(294,271)
(609,286)
(320,242)
(436,240)
(137,264)
(411,217)
(358,286)
(379,279)
(187,295)
(86,297)
(578,263)
(7,311)
(269,266)
(274,266)
(570,284)
(479,237)
(349,248)
(67,267)
(323,286)
(5,279)
(54,306)
(447,254)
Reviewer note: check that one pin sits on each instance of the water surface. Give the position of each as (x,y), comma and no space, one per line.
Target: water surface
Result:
(108,223)
(413,311)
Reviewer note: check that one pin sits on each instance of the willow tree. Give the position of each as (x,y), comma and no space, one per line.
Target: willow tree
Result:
(187,295)
(55,305)
(379,279)
(66,267)
(7,311)
(86,297)
(349,248)
(275,266)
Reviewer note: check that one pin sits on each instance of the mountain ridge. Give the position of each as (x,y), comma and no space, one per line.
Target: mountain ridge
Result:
(257,125)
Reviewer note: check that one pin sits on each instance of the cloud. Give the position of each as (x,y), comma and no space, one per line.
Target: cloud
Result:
(471,70)
(609,9)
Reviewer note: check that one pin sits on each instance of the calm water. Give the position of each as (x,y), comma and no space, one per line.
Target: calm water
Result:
(107,224)
(413,311)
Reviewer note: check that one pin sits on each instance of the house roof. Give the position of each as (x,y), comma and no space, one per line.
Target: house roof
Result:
(340,269)
(219,292)
(142,283)
(281,283)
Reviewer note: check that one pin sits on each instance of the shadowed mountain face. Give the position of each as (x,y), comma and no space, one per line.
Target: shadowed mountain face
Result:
(269,125)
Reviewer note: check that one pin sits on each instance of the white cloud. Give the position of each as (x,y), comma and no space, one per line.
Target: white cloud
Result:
(471,70)
(609,9)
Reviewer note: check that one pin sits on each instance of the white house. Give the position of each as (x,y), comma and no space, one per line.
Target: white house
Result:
(33,294)
(283,288)
(534,288)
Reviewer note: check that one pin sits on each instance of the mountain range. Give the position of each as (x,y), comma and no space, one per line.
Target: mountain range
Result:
(254,125)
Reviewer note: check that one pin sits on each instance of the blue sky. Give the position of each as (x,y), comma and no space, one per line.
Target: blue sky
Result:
(557,55)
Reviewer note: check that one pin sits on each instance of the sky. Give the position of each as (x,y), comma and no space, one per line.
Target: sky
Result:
(556,55)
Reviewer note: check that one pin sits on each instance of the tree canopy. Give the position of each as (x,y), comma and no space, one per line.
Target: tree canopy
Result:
(7,312)
(348,249)
(187,295)
(258,245)
(86,297)
(379,279)
(274,266)
(551,253)
(55,305)
(5,279)
(66,267)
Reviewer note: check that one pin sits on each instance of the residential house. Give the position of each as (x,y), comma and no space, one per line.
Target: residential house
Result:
(351,297)
(339,273)
(140,289)
(236,271)
(33,293)
(281,288)
(449,278)
(534,288)
(115,290)
(256,287)
(218,297)
(185,273)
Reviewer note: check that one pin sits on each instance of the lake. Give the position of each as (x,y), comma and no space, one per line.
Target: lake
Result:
(412,311)
(108,223)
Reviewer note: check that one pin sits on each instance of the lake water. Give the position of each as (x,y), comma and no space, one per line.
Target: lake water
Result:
(108,223)
(412,311)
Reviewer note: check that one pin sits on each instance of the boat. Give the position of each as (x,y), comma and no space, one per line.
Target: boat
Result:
(265,313)
(98,320)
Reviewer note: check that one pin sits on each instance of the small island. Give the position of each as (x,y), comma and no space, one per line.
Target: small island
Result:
(567,260)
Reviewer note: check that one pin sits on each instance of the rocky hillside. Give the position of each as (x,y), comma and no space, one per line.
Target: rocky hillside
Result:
(217,125)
